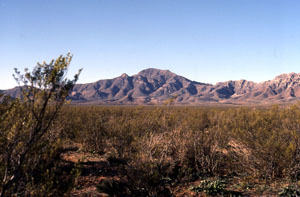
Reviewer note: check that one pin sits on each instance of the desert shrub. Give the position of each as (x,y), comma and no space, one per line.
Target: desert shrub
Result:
(214,188)
(28,133)
(209,187)
(200,153)
(147,179)
(289,191)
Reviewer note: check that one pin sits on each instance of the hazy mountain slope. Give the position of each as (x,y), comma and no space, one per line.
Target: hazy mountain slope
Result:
(14,92)
(153,86)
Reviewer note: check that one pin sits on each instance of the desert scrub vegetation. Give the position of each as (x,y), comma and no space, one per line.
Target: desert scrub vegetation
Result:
(159,148)
(30,145)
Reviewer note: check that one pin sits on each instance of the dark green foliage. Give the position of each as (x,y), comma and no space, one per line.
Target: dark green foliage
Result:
(214,188)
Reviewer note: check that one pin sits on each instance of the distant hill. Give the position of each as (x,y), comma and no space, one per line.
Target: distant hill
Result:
(154,86)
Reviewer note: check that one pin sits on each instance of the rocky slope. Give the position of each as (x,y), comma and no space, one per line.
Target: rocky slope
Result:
(154,86)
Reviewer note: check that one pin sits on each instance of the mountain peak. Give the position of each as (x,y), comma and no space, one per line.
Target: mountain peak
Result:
(287,75)
(124,75)
(153,86)
(154,71)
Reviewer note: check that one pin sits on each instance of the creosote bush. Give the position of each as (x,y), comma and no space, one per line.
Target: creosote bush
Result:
(182,144)
(30,134)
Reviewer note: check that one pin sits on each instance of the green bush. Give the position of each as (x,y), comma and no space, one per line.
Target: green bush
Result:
(29,133)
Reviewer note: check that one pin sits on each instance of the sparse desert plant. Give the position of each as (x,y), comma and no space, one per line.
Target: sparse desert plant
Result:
(210,187)
(289,192)
(214,188)
(28,132)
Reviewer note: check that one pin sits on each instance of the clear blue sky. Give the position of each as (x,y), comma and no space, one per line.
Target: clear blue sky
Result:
(206,41)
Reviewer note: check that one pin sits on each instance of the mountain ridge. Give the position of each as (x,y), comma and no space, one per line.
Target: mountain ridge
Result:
(155,86)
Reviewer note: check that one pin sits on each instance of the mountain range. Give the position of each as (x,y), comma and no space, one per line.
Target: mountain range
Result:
(155,86)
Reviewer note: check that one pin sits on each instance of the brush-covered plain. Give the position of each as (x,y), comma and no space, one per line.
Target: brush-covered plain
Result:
(168,150)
